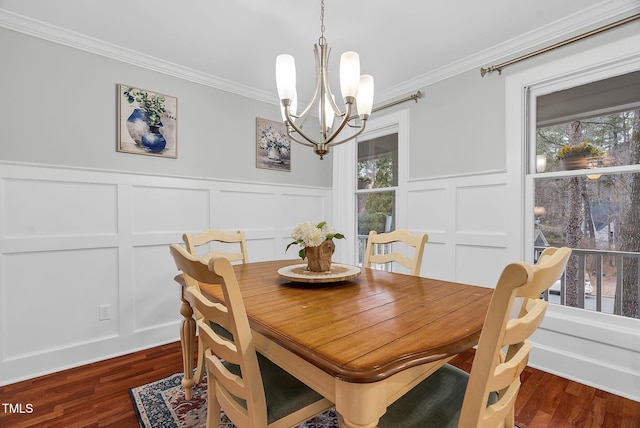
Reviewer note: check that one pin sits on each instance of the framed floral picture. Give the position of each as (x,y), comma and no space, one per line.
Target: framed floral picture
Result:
(147,122)
(273,146)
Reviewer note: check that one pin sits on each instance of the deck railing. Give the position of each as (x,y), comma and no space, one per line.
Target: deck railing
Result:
(381,249)
(606,295)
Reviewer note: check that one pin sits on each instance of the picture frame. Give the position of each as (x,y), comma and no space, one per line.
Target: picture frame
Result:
(147,122)
(273,145)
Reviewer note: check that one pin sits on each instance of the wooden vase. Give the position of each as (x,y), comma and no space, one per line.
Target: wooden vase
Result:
(319,258)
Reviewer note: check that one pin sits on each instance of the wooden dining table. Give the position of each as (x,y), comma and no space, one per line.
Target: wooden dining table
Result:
(361,343)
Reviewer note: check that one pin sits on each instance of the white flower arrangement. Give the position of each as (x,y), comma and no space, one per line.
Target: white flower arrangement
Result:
(309,235)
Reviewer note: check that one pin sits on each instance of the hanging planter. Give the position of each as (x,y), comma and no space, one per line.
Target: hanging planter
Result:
(571,163)
(579,156)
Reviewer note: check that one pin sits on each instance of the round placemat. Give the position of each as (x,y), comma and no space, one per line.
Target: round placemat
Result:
(338,272)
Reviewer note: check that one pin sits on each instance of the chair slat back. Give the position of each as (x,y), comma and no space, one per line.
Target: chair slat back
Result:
(375,240)
(493,370)
(241,396)
(212,236)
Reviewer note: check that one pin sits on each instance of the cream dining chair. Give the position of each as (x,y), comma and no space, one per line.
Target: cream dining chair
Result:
(486,397)
(377,241)
(205,245)
(252,391)
(221,240)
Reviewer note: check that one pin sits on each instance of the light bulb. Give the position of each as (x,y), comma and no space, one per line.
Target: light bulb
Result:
(286,77)
(349,74)
(365,96)
(329,114)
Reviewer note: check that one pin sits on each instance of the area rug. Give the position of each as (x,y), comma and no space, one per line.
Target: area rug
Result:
(161,404)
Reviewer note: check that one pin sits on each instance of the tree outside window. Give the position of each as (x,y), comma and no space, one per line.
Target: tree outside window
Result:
(596,204)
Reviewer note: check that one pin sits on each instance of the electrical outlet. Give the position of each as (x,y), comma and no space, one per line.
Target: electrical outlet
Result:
(104,312)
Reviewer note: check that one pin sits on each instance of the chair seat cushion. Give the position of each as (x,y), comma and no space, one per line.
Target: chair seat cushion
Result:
(221,331)
(284,393)
(435,402)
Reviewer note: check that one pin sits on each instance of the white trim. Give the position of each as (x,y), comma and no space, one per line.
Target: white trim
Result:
(605,12)
(344,172)
(568,342)
(62,36)
(71,170)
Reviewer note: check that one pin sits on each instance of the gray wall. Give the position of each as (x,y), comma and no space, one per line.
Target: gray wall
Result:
(458,128)
(59,106)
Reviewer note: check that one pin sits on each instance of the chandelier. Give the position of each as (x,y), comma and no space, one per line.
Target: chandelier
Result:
(356,89)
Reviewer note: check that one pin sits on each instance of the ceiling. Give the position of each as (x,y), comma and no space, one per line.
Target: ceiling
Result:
(232,45)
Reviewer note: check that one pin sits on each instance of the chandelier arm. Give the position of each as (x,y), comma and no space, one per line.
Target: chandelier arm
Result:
(314,143)
(304,143)
(343,123)
(361,129)
(300,132)
(305,113)
(324,66)
(356,126)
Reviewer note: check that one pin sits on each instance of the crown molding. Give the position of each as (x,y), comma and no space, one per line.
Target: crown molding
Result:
(583,20)
(72,39)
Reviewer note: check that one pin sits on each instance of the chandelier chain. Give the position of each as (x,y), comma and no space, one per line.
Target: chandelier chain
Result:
(332,119)
(322,40)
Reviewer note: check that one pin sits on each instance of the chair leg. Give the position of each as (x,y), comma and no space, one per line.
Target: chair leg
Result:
(213,407)
(510,420)
(200,364)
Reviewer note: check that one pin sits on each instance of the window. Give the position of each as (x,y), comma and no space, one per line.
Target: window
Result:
(587,191)
(377,177)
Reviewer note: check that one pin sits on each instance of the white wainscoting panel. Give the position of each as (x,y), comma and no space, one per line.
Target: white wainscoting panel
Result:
(55,208)
(154,289)
(301,203)
(162,209)
(249,209)
(50,299)
(73,240)
(481,209)
(480,265)
(428,207)
(467,226)
(261,249)
(426,213)
(472,238)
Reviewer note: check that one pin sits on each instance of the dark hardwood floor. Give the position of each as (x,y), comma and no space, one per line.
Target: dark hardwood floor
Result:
(97,395)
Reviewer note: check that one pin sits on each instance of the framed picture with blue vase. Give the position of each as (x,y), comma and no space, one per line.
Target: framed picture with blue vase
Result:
(147,122)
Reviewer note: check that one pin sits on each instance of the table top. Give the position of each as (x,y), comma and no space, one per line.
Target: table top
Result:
(364,329)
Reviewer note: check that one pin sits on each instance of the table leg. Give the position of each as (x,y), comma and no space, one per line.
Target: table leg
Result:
(360,405)
(187,340)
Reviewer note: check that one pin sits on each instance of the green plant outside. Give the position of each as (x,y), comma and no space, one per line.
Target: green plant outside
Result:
(584,149)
